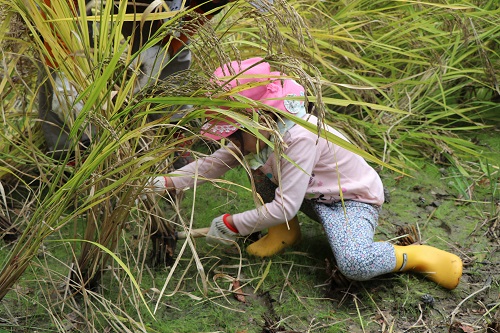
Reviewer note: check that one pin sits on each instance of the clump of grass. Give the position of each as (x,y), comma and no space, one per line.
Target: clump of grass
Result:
(430,65)
(432,62)
(101,188)
(404,80)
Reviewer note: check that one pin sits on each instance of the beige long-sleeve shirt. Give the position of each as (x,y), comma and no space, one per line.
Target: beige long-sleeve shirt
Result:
(322,171)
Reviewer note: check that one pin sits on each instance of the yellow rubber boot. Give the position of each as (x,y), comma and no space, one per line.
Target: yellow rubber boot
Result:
(277,239)
(439,266)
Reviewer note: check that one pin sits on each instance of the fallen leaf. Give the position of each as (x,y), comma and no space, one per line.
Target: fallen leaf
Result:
(238,294)
(467,328)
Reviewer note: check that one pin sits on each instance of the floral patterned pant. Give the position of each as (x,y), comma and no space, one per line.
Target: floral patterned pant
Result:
(350,233)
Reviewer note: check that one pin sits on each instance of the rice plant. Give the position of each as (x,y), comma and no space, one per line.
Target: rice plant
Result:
(405,80)
(101,185)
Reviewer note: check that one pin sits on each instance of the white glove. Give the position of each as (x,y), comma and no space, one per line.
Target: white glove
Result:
(156,185)
(220,233)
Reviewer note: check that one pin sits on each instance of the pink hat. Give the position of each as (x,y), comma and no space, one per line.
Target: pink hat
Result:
(218,128)
(271,92)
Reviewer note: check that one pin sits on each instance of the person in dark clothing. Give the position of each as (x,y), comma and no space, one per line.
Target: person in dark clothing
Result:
(56,97)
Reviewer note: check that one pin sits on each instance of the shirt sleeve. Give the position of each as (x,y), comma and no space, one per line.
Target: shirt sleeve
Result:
(203,169)
(294,180)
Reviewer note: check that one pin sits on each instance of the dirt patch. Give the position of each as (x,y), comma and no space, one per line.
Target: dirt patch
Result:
(300,290)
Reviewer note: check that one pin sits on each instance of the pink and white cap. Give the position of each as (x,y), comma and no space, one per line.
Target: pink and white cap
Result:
(272,93)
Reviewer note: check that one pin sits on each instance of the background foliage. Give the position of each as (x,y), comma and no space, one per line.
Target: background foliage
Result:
(405,80)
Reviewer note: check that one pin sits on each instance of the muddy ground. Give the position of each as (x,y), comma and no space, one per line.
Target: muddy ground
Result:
(432,204)
(299,290)
(436,207)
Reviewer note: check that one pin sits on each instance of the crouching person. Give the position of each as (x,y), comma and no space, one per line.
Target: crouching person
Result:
(331,184)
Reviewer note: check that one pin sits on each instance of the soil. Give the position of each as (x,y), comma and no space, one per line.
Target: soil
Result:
(301,290)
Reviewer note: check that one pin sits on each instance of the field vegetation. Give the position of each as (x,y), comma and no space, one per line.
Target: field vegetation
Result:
(413,84)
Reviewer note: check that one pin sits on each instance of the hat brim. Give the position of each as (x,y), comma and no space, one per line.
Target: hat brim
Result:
(217,129)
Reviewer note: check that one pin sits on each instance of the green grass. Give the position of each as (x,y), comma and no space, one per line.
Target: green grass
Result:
(294,292)
(410,83)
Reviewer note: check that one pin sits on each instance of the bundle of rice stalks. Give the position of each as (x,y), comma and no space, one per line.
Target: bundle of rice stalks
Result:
(94,191)
(407,235)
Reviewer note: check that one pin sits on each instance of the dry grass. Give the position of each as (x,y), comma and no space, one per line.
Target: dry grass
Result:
(399,89)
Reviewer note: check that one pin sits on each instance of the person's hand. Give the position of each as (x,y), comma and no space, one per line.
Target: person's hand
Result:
(221,231)
(159,184)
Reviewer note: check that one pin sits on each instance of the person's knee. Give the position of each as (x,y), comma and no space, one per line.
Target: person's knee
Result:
(356,265)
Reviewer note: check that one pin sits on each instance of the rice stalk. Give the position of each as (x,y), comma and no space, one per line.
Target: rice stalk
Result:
(405,80)
(419,58)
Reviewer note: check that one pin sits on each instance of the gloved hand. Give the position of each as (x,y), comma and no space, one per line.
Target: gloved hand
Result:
(157,185)
(160,184)
(221,232)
